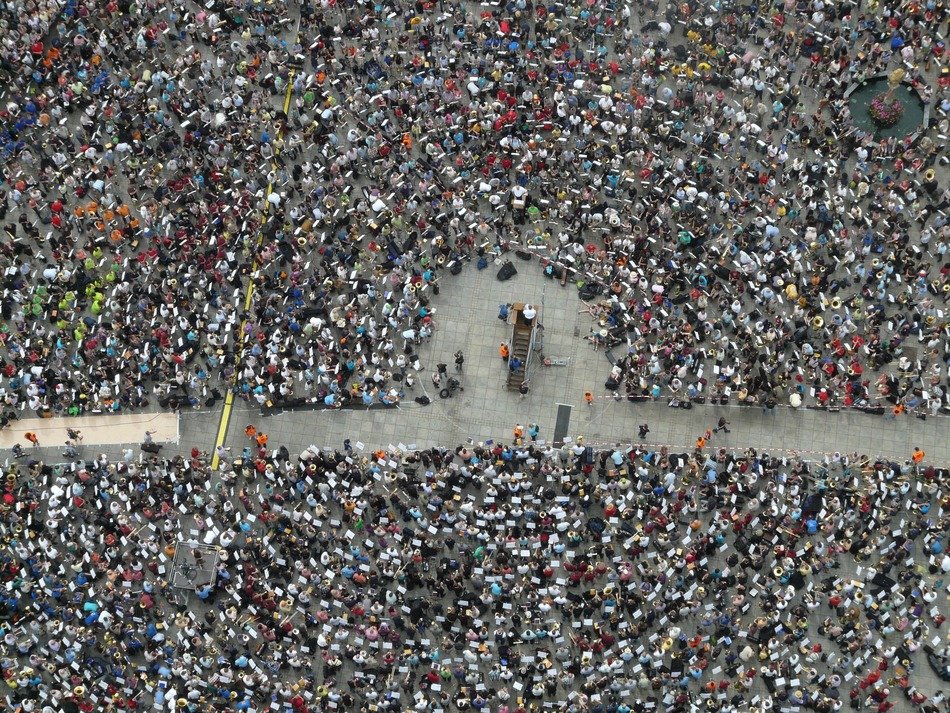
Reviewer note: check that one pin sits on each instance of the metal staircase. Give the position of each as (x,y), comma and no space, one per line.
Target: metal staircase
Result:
(520,345)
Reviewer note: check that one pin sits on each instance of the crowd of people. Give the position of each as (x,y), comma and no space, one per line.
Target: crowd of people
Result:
(266,197)
(489,578)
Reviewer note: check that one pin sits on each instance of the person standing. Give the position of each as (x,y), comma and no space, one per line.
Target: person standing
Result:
(723,423)
(459,360)
(644,430)
(32,438)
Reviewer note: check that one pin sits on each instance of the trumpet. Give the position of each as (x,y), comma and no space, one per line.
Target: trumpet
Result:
(301,241)
(835,303)
(818,322)
(930,176)
(778,572)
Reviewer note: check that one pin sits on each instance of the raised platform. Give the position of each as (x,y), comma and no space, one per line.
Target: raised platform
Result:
(112,429)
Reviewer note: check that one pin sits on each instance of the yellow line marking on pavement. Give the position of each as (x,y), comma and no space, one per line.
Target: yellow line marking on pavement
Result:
(229,398)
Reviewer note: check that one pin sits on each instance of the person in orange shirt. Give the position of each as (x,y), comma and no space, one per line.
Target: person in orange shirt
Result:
(261,439)
(917,456)
(700,443)
(894,412)
(503,351)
